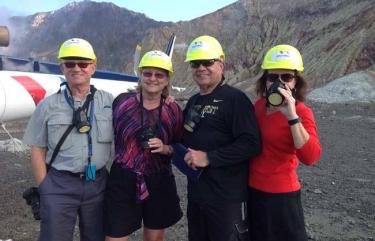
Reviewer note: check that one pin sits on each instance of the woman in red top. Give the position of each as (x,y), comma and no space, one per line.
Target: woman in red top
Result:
(289,135)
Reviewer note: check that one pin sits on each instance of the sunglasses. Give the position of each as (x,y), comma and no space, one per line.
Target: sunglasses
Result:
(206,63)
(71,65)
(277,77)
(150,74)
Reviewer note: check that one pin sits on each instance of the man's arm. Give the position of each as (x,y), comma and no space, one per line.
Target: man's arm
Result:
(38,164)
(246,136)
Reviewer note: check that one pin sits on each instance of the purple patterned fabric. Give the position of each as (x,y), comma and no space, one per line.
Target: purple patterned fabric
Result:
(127,125)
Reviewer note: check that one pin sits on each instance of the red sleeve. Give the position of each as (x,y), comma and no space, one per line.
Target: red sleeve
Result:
(311,151)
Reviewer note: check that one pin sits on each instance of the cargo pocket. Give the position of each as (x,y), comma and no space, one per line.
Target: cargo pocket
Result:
(104,126)
(240,232)
(56,128)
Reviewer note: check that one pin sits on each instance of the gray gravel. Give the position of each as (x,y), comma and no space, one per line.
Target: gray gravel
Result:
(338,192)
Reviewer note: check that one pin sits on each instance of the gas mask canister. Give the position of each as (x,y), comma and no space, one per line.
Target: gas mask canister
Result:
(192,118)
(80,121)
(273,95)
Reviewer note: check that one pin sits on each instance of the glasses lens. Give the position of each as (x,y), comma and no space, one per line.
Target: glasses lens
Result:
(147,74)
(286,77)
(277,77)
(194,64)
(83,65)
(157,75)
(206,63)
(273,77)
(70,65)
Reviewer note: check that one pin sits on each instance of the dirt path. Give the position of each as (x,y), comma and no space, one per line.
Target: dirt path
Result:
(338,192)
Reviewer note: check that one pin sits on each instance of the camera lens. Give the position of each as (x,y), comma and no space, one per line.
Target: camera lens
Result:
(145,135)
(145,145)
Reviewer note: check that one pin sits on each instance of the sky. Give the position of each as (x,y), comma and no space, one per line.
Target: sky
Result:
(160,10)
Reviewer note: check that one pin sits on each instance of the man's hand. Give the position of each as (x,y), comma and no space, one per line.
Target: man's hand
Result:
(196,158)
(170,99)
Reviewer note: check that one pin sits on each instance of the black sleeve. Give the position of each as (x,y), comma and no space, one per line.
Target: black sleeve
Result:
(246,139)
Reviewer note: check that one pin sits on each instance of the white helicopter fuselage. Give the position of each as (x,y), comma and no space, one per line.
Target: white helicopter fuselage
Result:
(25,82)
(20,92)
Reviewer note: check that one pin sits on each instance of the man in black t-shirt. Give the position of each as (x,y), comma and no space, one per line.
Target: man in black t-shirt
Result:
(221,135)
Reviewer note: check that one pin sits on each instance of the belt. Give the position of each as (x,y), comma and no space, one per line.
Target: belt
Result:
(80,175)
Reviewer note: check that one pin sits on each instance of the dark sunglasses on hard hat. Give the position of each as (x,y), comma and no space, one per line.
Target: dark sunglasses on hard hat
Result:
(277,77)
(71,65)
(206,63)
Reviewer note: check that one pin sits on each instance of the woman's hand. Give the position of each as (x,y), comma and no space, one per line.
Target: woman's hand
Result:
(158,146)
(288,108)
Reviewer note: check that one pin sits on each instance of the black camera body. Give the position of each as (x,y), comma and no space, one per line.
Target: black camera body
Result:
(145,134)
(193,117)
(31,195)
(80,121)
(274,97)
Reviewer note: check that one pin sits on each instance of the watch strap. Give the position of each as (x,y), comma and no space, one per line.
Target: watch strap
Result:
(294,121)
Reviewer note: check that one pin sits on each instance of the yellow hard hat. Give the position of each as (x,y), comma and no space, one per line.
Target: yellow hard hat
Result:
(204,47)
(283,57)
(157,59)
(76,47)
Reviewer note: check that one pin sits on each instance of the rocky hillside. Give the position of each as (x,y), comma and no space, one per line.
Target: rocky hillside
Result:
(336,37)
(113,31)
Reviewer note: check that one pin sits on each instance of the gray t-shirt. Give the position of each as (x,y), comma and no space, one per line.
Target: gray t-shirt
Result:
(52,117)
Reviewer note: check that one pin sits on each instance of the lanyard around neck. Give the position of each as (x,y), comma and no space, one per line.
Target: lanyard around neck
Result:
(88,107)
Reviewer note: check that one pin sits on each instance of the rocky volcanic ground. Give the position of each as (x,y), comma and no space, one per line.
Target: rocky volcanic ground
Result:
(338,192)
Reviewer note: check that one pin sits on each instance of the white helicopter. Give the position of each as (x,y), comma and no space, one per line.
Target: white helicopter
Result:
(25,82)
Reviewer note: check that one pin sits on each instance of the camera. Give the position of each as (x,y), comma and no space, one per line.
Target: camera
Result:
(274,97)
(144,135)
(192,118)
(31,195)
(80,121)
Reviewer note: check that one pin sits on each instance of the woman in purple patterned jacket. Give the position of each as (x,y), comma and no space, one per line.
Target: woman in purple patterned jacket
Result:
(141,186)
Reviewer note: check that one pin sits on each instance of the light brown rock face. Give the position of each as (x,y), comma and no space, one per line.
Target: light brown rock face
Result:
(335,37)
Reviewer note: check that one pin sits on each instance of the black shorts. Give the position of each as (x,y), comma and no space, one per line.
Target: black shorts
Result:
(124,214)
(217,222)
(276,216)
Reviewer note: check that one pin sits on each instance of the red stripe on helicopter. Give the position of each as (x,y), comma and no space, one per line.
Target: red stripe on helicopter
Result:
(36,91)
